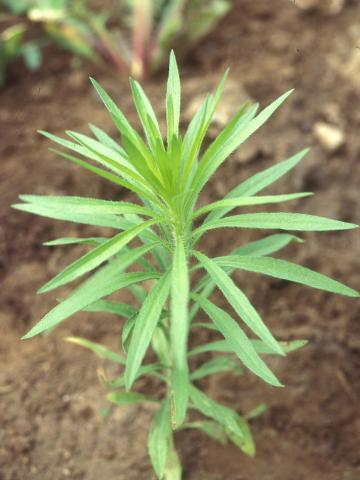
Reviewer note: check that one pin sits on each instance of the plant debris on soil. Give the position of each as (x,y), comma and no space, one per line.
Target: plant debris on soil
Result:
(55,420)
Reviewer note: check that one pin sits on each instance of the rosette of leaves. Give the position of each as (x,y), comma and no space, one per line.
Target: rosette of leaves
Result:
(168,176)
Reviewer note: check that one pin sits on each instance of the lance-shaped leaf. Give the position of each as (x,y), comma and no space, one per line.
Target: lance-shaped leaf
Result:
(158,440)
(75,241)
(215,365)
(281,221)
(101,220)
(105,139)
(248,201)
(173,99)
(86,206)
(109,306)
(264,246)
(100,350)
(179,330)
(238,301)
(235,426)
(98,286)
(95,257)
(285,270)
(146,114)
(223,346)
(213,429)
(238,342)
(228,141)
(259,181)
(128,398)
(146,322)
(104,282)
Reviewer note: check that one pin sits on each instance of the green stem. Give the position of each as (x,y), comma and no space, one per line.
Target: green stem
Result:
(173,470)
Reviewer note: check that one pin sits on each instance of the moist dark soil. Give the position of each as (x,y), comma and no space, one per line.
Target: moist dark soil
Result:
(53,421)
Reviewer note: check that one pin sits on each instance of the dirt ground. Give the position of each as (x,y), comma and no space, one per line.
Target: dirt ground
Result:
(51,403)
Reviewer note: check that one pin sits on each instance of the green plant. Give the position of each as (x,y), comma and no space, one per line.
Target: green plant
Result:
(168,177)
(134,36)
(13,45)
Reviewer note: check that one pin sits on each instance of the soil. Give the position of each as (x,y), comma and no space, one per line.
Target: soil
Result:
(54,422)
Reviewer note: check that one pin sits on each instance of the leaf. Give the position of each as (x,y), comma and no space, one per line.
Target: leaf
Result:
(99,350)
(285,270)
(158,440)
(238,301)
(104,138)
(260,180)
(173,99)
(222,346)
(102,283)
(235,426)
(94,258)
(264,246)
(86,206)
(126,331)
(213,429)
(215,365)
(282,221)
(109,306)
(150,369)
(179,330)
(238,342)
(248,201)
(75,241)
(229,140)
(145,325)
(111,221)
(118,117)
(127,398)
(146,114)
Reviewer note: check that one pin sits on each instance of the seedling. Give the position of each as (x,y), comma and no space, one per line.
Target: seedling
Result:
(168,177)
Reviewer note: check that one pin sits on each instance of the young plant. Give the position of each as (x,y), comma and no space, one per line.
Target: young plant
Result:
(168,177)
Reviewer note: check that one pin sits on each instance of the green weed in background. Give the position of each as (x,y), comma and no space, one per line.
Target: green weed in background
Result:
(168,176)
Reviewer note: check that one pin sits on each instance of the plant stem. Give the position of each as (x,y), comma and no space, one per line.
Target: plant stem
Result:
(173,470)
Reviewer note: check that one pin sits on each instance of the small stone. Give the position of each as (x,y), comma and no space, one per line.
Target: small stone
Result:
(327,7)
(330,137)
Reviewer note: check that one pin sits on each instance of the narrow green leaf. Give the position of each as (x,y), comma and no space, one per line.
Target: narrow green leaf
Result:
(259,181)
(264,246)
(158,440)
(238,301)
(146,322)
(109,306)
(281,221)
(235,426)
(222,346)
(173,99)
(229,140)
(86,206)
(179,330)
(99,350)
(238,341)
(127,330)
(118,117)
(104,138)
(145,110)
(94,258)
(215,365)
(213,429)
(104,282)
(248,201)
(75,241)
(127,398)
(285,270)
(111,221)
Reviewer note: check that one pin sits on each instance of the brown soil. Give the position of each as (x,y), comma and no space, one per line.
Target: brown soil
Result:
(51,402)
